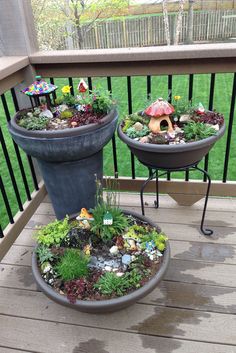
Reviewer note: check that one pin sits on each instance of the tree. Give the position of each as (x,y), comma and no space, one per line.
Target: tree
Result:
(179,22)
(86,12)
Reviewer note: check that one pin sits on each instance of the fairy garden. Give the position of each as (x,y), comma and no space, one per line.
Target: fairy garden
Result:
(101,254)
(65,110)
(164,123)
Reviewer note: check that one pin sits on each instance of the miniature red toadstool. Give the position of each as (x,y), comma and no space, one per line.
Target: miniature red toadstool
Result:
(159,111)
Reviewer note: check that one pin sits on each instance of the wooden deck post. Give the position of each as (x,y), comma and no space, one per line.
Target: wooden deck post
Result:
(18,34)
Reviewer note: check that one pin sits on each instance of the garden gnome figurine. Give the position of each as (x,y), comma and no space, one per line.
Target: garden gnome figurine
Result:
(159,111)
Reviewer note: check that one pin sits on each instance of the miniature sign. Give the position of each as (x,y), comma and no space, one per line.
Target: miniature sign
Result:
(108,219)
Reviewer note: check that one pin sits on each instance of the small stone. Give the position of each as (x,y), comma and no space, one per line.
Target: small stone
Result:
(120,274)
(144,139)
(215,127)
(108,268)
(46,267)
(126,259)
(132,244)
(138,126)
(159,253)
(114,250)
(63,107)
(47,113)
(184,118)
(133,258)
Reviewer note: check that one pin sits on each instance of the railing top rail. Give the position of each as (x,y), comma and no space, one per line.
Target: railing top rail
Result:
(180,52)
(10,64)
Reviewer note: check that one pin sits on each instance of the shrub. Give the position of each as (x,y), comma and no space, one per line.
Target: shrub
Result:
(159,240)
(54,232)
(34,123)
(132,133)
(110,283)
(108,232)
(44,254)
(73,265)
(195,131)
(66,114)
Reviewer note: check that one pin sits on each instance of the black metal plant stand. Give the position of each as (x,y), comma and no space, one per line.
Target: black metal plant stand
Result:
(154,173)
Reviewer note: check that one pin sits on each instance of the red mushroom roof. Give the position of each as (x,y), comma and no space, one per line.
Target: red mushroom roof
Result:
(159,108)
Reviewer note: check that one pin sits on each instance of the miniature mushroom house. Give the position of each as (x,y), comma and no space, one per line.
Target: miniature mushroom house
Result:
(159,111)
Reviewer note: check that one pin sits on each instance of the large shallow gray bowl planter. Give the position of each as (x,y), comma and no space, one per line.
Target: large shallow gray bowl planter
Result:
(68,160)
(170,156)
(104,306)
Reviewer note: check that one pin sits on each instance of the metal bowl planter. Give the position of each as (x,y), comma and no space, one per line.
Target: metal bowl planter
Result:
(166,157)
(108,305)
(68,160)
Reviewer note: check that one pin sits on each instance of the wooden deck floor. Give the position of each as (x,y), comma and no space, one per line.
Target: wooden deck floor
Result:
(192,311)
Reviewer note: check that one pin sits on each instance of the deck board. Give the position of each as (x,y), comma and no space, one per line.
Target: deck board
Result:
(192,310)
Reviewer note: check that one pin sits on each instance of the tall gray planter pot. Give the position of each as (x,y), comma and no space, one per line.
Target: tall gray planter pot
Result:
(170,156)
(68,160)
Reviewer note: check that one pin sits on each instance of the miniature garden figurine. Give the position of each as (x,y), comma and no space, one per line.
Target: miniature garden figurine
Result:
(159,111)
(40,88)
(82,86)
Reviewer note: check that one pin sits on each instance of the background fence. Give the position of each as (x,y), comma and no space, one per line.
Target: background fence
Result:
(142,31)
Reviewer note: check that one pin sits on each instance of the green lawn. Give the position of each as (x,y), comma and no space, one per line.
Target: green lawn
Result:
(222,97)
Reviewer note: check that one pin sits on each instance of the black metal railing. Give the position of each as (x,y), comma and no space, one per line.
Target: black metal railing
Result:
(27,179)
(16,176)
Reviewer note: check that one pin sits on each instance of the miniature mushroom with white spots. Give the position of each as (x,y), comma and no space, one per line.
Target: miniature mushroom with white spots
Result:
(159,111)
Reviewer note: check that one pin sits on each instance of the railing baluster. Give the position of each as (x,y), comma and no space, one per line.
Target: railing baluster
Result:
(115,164)
(149,87)
(18,156)
(30,162)
(190,97)
(170,81)
(10,169)
(229,134)
(1,232)
(5,199)
(90,85)
(130,110)
(70,79)
(210,107)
